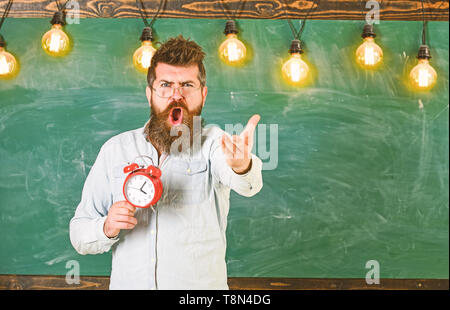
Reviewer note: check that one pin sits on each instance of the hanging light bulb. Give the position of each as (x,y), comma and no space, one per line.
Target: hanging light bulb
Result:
(142,57)
(423,76)
(295,70)
(232,51)
(8,63)
(369,55)
(55,42)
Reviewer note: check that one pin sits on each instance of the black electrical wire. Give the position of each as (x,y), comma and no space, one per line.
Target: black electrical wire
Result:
(8,7)
(436,9)
(425,23)
(298,34)
(424,27)
(162,4)
(226,9)
(61,8)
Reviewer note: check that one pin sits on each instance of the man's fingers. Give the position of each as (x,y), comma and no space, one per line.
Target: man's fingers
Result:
(236,146)
(125,219)
(241,144)
(120,216)
(234,150)
(125,205)
(123,225)
(226,146)
(251,125)
(229,148)
(124,212)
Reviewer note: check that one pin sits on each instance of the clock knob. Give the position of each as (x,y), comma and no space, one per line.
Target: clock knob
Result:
(153,171)
(130,168)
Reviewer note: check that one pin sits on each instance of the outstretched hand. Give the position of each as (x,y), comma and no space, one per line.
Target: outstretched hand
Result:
(237,149)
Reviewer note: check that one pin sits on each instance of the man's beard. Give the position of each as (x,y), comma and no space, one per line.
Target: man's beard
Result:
(158,130)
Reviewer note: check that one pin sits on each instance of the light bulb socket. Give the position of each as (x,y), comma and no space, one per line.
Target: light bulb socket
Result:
(368,31)
(147,34)
(58,18)
(296,47)
(2,41)
(424,52)
(230,27)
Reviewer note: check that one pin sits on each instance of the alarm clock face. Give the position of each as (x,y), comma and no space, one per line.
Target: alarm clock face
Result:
(139,190)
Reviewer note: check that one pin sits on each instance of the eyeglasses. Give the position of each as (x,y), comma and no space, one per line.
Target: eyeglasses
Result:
(165,90)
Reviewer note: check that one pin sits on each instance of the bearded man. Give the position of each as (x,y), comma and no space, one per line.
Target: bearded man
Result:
(180,242)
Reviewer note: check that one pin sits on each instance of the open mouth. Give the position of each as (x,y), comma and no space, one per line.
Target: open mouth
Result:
(176,116)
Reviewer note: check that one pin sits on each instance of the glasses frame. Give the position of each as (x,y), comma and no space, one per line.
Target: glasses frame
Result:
(180,90)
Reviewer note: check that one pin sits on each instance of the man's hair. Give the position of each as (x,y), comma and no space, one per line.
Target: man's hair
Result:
(178,52)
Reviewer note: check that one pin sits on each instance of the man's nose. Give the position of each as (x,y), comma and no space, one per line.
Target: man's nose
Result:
(177,93)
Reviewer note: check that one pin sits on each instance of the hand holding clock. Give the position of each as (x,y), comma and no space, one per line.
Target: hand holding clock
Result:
(120,216)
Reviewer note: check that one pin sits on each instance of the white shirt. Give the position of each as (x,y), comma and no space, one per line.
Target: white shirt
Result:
(181,242)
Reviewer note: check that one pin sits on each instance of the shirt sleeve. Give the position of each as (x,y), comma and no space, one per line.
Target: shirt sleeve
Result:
(248,184)
(86,227)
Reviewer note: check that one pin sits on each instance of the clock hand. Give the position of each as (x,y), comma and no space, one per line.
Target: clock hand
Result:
(134,188)
(143,187)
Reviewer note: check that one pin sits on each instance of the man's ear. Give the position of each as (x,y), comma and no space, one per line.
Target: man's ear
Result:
(204,93)
(148,93)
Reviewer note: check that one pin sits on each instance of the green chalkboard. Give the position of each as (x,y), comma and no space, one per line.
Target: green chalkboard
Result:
(361,170)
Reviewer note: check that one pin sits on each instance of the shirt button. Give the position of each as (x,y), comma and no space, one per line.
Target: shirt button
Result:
(153,260)
(152,232)
(189,170)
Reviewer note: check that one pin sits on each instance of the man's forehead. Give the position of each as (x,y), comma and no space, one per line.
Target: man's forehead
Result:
(176,73)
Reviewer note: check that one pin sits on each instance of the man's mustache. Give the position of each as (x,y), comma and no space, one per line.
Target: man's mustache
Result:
(174,104)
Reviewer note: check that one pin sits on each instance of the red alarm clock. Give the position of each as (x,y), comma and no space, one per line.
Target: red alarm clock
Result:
(142,187)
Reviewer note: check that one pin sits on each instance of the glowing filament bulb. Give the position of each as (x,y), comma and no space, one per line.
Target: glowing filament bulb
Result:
(369,55)
(146,58)
(8,64)
(142,57)
(55,42)
(423,76)
(232,51)
(5,66)
(295,70)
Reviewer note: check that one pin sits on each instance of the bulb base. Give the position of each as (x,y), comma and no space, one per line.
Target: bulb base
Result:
(424,52)
(368,31)
(230,27)
(58,18)
(147,34)
(296,47)
(2,41)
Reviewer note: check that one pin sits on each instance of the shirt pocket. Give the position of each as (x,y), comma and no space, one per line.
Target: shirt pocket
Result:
(188,181)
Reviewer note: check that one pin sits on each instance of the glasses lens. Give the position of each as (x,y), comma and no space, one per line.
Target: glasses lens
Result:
(166,92)
(187,91)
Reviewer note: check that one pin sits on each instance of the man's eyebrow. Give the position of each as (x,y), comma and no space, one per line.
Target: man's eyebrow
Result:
(165,81)
(170,82)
